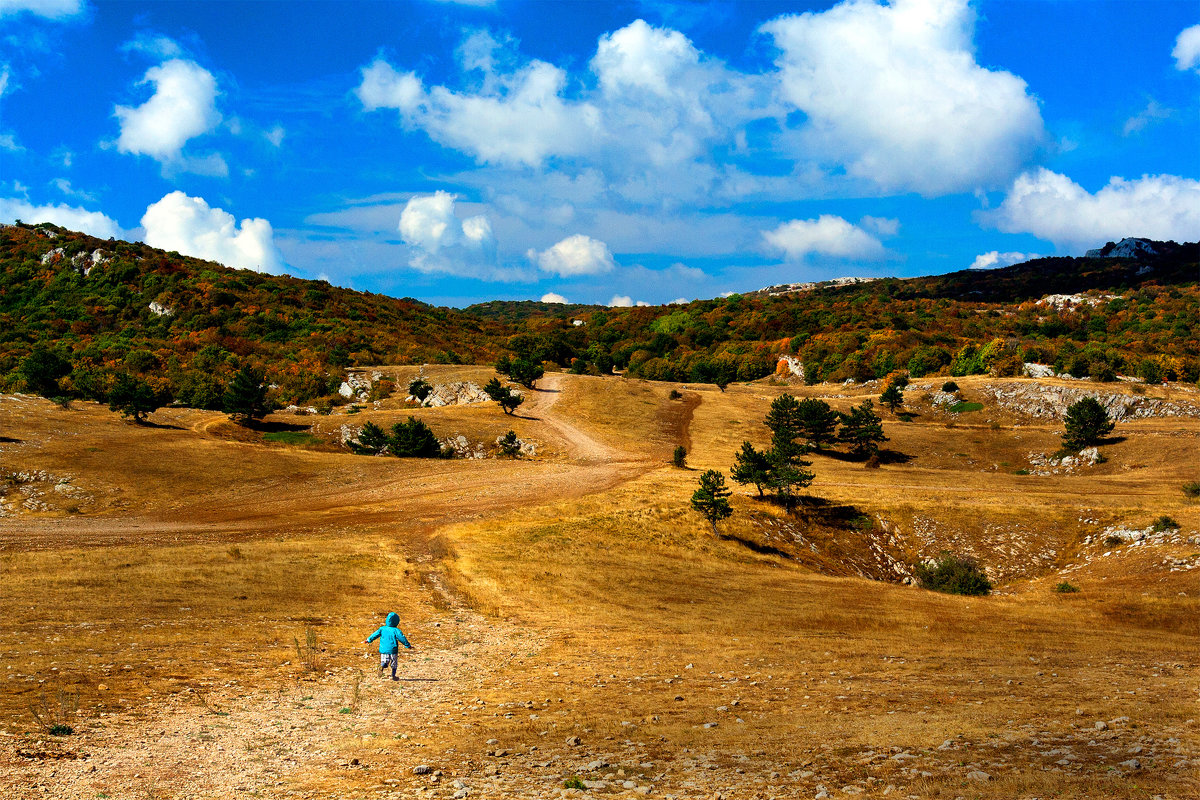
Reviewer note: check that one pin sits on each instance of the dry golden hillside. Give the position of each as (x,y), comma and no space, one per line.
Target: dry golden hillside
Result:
(204,590)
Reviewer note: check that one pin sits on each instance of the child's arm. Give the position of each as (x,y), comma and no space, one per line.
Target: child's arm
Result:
(403,638)
(374,636)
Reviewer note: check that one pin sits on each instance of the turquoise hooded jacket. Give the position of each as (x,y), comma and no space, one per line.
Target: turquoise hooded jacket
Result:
(390,636)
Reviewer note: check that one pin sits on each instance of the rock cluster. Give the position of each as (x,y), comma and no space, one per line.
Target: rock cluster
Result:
(1051,465)
(1052,402)
(357,385)
(453,394)
(462,447)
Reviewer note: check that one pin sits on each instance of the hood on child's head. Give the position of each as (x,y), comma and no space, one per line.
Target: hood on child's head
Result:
(393,620)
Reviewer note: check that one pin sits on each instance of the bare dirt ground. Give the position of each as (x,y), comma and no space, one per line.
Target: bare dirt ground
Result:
(575,625)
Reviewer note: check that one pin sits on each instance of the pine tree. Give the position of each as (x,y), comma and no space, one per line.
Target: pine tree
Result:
(785,421)
(862,429)
(817,422)
(751,466)
(133,397)
(372,440)
(506,397)
(711,498)
(413,439)
(246,396)
(1087,422)
(892,397)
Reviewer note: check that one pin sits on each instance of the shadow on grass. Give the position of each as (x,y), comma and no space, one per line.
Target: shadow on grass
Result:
(145,423)
(758,547)
(9,440)
(886,456)
(263,426)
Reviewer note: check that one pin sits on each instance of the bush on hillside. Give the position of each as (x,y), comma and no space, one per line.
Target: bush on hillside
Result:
(953,575)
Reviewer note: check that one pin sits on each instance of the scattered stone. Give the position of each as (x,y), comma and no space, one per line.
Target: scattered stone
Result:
(978,775)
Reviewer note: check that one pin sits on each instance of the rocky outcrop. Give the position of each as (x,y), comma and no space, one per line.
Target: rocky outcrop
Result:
(1052,402)
(1129,247)
(794,288)
(357,385)
(790,365)
(1067,302)
(454,394)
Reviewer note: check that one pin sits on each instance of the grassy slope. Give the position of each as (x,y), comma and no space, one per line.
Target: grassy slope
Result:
(603,600)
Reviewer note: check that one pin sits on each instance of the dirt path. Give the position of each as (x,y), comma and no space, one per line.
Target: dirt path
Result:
(580,445)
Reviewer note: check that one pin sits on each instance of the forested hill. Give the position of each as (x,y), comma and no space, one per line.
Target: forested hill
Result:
(88,311)
(105,306)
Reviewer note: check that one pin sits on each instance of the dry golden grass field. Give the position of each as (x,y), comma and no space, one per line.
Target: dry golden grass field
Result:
(191,598)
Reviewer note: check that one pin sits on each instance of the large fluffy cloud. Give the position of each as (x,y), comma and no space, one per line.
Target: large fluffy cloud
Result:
(182,107)
(1187,49)
(827,235)
(441,242)
(190,226)
(573,256)
(1053,207)
(50,9)
(519,120)
(92,223)
(891,96)
(893,92)
(648,126)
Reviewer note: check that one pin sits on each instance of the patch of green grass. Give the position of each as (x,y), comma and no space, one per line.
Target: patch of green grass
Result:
(574,782)
(1066,588)
(1020,472)
(963,406)
(291,437)
(345,711)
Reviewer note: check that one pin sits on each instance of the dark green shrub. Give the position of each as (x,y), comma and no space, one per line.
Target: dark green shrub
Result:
(1066,588)
(679,457)
(953,575)
(675,395)
(419,388)
(1165,523)
(949,386)
(573,782)
(1191,489)
(509,445)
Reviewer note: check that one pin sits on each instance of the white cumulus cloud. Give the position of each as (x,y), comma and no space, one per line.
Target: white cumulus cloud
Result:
(828,235)
(518,119)
(995,259)
(441,242)
(92,223)
(573,256)
(1051,206)
(553,297)
(50,9)
(1187,49)
(894,93)
(189,226)
(182,107)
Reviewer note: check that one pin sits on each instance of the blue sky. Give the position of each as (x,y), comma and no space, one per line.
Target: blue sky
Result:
(603,152)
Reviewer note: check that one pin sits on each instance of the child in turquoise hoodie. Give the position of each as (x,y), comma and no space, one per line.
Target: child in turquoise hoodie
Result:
(390,638)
